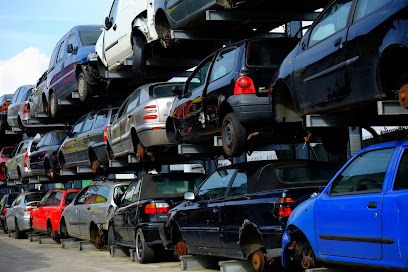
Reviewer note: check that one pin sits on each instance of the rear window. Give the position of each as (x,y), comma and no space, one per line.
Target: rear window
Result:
(33,197)
(305,173)
(113,115)
(267,53)
(24,94)
(89,37)
(7,152)
(61,135)
(162,186)
(164,90)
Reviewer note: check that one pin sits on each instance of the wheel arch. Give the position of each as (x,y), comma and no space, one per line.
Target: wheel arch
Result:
(250,238)
(284,106)
(161,22)
(225,108)
(136,26)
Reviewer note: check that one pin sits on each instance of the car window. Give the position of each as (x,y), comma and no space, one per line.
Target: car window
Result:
(24,94)
(97,194)
(199,76)
(133,101)
(41,142)
(17,201)
(88,123)
(333,20)
(34,197)
(123,108)
(239,185)
(62,51)
(311,173)
(8,152)
(15,95)
(365,174)
(101,119)
(77,128)
(131,194)
(72,39)
(54,199)
(401,179)
(89,37)
(59,137)
(54,55)
(223,64)
(164,90)
(24,148)
(119,191)
(268,52)
(69,198)
(214,187)
(80,199)
(114,10)
(366,7)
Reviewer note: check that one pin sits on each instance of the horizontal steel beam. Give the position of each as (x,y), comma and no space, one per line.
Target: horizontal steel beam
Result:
(259,16)
(390,107)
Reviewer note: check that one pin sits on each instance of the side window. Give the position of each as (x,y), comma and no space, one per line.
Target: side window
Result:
(54,199)
(118,192)
(366,7)
(24,148)
(333,20)
(101,119)
(199,76)
(123,108)
(223,64)
(62,51)
(114,10)
(133,101)
(364,175)
(15,96)
(131,192)
(89,120)
(82,196)
(41,142)
(97,194)
(78,126)
(214,187)
(69,198)
(401,179)
(239,185)
(54,55)
(72,39)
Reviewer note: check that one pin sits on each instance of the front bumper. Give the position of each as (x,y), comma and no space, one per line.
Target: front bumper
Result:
(252,110)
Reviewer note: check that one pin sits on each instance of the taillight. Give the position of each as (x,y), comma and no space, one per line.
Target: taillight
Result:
(151,112)
(156,208)
(150,117)
(244,85)
(26,160)
(4,211)
(284,209)
(5,106)
(26,108)
(105,134)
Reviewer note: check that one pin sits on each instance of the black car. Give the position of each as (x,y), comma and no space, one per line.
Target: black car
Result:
(143,210)
(228,94)
(240,211)
(5,204)
(352,56)
(5,101)
(44,157)
(85,145)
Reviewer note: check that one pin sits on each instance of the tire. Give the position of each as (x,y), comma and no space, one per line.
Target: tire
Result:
(53,107)
(302,259)
(233,135)
(20,178)
(85,90)
(143,253)
(18,234)
(139,60)
(171,132)
(54,235)
(63,230)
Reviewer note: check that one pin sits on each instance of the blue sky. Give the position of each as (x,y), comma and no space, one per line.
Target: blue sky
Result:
(41,23)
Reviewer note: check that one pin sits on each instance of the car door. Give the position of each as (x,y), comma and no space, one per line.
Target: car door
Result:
(13,109)
(59,86)
(201,219)
(38,215)
(114,131)
(83,140)
(70,63)
(116,38)
(71,213)
(348,215)
(320,66)
(12,163)
(221,85)
(189,114)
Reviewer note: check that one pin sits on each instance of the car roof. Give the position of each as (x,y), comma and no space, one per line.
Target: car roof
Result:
(109,182)
(86,27)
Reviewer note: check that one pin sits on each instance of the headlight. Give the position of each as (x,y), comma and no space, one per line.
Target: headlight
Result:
(92,57)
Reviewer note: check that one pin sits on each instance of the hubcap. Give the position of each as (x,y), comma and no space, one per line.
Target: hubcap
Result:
(139,246)
(81,87)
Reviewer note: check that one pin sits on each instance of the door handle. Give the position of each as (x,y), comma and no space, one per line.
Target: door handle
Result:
(337,42)
(372,205)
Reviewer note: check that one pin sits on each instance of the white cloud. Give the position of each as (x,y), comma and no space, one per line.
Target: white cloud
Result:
(24,68)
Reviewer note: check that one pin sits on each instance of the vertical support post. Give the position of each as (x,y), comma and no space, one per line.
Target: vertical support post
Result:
(302,152)
(165,169)
(355,140)
(239,159)
(210,166)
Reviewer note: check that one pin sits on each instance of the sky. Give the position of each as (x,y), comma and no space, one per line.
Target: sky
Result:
(29,30)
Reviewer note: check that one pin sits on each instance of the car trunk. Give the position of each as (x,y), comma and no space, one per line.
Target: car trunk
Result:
(162,97)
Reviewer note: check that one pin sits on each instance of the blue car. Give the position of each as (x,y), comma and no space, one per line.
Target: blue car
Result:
(73,68)
(360,218)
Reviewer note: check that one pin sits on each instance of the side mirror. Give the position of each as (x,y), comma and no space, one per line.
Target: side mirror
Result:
(177,90)
(189,196)
(108,23)
(70,49)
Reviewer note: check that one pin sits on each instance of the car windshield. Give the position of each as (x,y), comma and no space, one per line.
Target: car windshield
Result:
(305,173)
(34,197)
(89,37)
(267,53)
(162,186)
(164,90)
(7,152)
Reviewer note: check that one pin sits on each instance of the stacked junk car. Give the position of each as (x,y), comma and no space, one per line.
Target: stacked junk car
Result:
(227,135)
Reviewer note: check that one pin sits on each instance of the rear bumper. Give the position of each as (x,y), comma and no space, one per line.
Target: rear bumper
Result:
(24,223)
(251,110)
(101,152)
(153,134)
(151,233)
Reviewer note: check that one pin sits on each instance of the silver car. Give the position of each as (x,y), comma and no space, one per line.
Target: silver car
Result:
(90,209)
(141,120)
(18,111)
(36,99)
(18,167)
(18,218)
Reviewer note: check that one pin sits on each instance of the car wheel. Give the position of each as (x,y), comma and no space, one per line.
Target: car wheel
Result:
(233,135)
(63,230)
(18,234)
(258,261)
(5,229)
(85,90)
(144,253)
(53,234)
(138,57)
(301,257)
(53,107)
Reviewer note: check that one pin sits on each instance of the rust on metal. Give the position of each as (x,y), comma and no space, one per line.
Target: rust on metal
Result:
(403,96)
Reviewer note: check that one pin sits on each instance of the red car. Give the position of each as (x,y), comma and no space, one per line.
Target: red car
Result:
(5,155)
(46,217)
